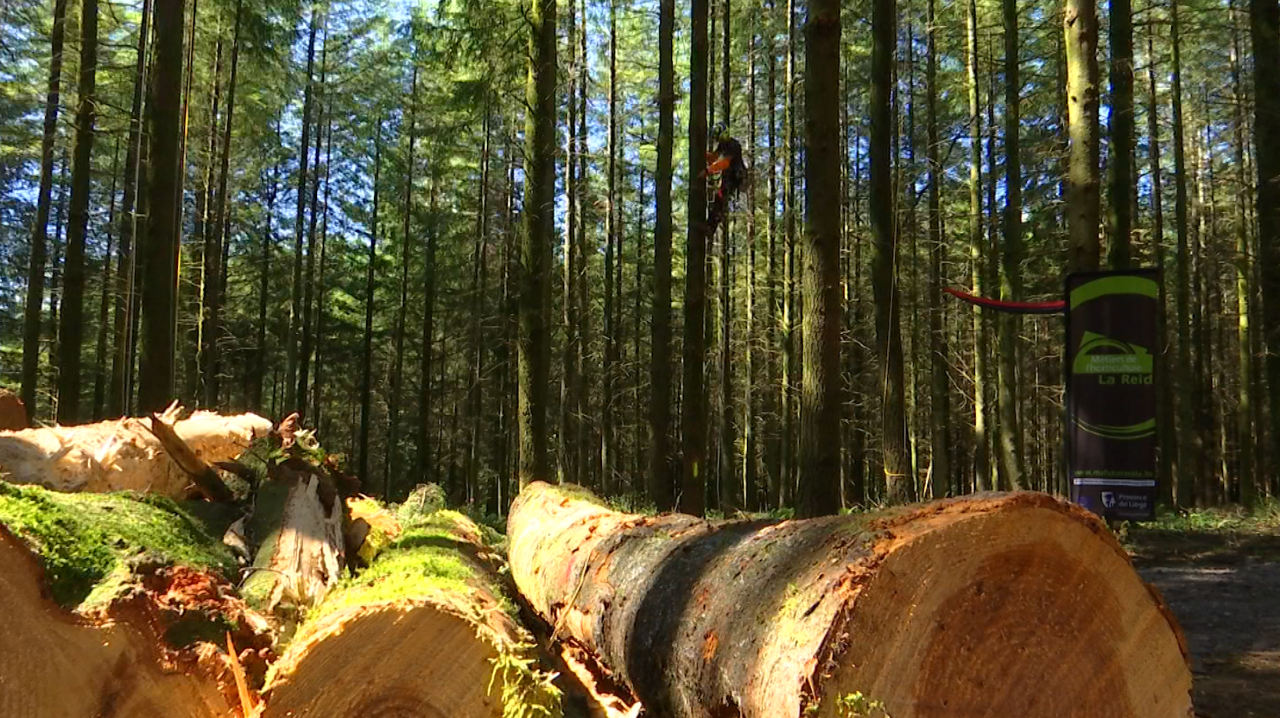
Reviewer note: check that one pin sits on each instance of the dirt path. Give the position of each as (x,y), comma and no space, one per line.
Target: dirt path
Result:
(1224,587)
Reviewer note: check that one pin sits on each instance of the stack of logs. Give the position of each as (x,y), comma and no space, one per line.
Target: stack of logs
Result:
(211,566)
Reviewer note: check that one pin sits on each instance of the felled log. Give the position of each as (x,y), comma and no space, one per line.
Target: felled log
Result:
(114,605)
(426,630)
(985,606)
(123,454)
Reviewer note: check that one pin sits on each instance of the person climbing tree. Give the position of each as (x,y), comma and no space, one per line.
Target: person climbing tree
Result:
(725,162)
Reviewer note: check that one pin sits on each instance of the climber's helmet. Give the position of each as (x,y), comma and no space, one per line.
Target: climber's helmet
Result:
(721,132)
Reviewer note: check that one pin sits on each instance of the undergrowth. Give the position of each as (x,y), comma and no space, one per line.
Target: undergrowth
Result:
(526,691)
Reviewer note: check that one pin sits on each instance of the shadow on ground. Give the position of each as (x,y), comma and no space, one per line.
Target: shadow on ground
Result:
(1222,586)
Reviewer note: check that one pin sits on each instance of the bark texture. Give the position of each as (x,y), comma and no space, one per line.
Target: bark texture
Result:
(1083,184)
(766,618)
(534,341)
(822,387)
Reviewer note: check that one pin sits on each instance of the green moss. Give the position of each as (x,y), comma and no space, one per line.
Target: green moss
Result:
(434,554)
(264,530)
(88,541)
(578,493)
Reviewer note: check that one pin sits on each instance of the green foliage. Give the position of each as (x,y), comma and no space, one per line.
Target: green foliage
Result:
(89,542)
(856,705)
(527,692)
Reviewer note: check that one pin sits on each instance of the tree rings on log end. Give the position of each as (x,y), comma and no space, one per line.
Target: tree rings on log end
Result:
(1023,610)
(401,659)
(55,664)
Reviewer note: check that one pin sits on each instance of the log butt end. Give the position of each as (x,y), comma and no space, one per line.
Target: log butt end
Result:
(1025,609)
(393,659)
(55,664)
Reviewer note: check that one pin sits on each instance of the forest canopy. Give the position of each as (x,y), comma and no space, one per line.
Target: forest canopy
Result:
(468,240)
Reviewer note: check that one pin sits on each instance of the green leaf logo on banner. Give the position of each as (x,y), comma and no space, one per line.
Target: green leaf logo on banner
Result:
(1120,433)
(1102,355)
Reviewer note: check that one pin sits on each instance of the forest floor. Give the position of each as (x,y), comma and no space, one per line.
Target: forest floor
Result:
(1220,573)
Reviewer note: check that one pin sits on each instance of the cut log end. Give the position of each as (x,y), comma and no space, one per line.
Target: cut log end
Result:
(54,664)
(394,660)
(1016,612)
(424,631)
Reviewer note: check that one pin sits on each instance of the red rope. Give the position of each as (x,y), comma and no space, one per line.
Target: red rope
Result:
(1057,307)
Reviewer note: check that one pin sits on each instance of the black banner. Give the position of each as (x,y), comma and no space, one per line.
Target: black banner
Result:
(1111,392)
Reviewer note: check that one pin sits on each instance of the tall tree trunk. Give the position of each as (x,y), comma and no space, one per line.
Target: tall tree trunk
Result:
(570,454)
(588,456)
(71,331)
(158,290)
(100,360)
(32,314)
(991,278)
(1264,26)
(939,381)
(1080,23)
(819,492)
(304,354)
(608,447)
(210,352)
(126,266)
(258,363)
(787,472)
(426,468)
(1166,437)
(322,293)
(55,275)
(729,495)
(204,244)
(692,499)
(479,286)
(660,483)
(1187,457)
(1244,280)
(304,148)
(899,484)
(182,140)
(775,334)
(750,441)
(366,362)
(1124,187)
(535,251)
(1011,454)
(982,467)
(397,372)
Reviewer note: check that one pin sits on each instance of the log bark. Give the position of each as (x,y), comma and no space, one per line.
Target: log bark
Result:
(439,640)
(127,636)
(123,454)
(988,605)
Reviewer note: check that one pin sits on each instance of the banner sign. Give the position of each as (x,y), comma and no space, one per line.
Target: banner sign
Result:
(1111,392)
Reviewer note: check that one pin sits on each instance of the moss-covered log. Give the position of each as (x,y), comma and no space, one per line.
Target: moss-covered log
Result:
(113,606)
(425,630)
(986,606)
(123,454)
